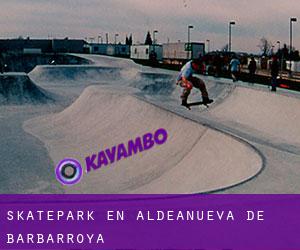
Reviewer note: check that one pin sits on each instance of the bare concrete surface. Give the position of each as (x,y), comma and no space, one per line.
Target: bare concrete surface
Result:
(195,158)
(24,159)
(273,115)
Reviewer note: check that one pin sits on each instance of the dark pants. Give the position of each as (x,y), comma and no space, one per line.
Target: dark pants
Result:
(197,83)
(235,75)
(251,76)
(274,83)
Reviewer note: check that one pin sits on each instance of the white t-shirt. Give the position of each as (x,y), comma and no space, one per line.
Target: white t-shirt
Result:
(187,71)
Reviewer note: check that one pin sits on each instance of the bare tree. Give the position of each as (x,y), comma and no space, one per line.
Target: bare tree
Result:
(225,48)
(265,46)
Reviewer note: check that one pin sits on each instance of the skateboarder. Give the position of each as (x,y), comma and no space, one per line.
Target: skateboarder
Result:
(187,81)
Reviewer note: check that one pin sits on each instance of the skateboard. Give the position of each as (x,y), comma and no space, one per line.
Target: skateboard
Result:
(189,105)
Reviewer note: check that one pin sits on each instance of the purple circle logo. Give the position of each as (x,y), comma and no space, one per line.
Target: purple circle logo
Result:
(68,172)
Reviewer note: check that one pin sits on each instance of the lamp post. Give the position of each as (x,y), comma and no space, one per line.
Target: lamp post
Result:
(231,23)
(292,20)
(154,32)
(116,35)
(208,45)
(281,57)
(189,39)
(154,41)
(106,35)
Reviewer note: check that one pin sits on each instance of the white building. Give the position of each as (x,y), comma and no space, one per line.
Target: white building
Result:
(182,51)
(122,50)
(146,52)
(295,66)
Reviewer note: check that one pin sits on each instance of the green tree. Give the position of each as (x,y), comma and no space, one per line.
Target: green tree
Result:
(130,40)
(265,46)
(148,40)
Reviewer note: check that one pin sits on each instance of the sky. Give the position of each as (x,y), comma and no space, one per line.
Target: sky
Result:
(92,18)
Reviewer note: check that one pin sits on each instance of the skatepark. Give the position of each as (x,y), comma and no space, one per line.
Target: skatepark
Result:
(248,141)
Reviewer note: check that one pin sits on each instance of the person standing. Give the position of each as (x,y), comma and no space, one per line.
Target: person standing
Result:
(218,65)
(274,73)
(252,69)
(235,68)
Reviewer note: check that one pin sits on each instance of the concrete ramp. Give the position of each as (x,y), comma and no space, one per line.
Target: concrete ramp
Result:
(17,88)
(147,82)
(109,61)
(271,115)
(154,83)
(75,74)
(194,159)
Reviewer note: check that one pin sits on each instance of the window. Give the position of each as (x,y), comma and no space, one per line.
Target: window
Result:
(135,51)
(123,49)
(96,49)
(147,51)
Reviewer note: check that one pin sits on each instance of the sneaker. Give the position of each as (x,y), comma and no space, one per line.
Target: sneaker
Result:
(206,100)
(184,103)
